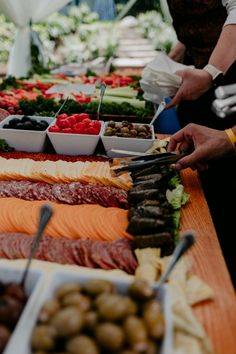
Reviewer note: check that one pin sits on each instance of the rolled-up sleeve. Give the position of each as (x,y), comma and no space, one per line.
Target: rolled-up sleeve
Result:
(231,11)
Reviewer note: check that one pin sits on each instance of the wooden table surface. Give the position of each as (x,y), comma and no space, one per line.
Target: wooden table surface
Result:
(218,317)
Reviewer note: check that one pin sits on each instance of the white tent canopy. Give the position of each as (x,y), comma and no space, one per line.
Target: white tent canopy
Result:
(21,13)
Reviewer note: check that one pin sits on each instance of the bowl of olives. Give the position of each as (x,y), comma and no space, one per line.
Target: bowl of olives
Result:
(84,313)
(25,133)
(127,136)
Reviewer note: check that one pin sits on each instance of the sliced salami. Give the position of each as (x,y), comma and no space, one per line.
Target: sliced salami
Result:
(74,193)
(62,193)
(42,191)
(87,253)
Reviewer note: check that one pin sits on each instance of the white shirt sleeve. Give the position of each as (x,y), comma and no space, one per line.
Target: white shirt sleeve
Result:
(231,11)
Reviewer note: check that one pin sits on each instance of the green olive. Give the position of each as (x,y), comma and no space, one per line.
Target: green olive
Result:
(95,287)
(124,130)
(68,321)
(141,290)
(48,310)
(152,348)
(77,299)
(43,338)
(133,132)
(109,336)
(154,319)
(141,128)
(66,289)
(108,131)
(82,345)
(142,135)
(136,333)
(115,307)
(90,320)
(111,124)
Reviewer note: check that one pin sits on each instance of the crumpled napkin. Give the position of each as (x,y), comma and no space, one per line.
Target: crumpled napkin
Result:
(158,79)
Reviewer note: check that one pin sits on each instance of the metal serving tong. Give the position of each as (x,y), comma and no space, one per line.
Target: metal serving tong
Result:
(136,163)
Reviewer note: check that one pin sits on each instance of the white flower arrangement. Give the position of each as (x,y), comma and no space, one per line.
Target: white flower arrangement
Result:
(152,25)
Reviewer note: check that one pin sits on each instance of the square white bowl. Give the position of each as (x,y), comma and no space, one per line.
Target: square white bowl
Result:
(33,287)
(74,144)
(22,343)
(123,143)
(25,140)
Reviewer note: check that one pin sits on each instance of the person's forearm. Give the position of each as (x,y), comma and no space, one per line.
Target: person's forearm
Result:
(224,53)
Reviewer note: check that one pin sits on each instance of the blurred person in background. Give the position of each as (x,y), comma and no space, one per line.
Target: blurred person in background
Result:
(206,30)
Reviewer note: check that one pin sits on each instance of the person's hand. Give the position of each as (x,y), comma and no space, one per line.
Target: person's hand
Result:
(201,144)
(195,82)
(177,52)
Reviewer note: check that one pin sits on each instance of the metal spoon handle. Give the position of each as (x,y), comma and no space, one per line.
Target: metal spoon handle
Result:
(45,215)
(102,91)
(187,240)
(160,108)
(63,104)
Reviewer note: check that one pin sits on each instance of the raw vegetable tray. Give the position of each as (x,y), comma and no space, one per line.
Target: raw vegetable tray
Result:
(43,283)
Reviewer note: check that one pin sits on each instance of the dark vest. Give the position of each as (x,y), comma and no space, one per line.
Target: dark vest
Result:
(198,24)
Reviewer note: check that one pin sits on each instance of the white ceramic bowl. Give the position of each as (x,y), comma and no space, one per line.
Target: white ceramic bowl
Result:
(123,143)
(22,338)
(24,140)
(74,144)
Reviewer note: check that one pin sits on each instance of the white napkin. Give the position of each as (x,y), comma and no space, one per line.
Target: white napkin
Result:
(159,79)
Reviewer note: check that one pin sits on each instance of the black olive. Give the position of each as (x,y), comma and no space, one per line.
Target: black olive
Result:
(33,121)
(13,122)
(25,119)
(19,126)
(44,123)
(38,127)
(28,126)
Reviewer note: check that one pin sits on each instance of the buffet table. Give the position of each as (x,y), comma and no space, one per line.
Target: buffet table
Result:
(218,317)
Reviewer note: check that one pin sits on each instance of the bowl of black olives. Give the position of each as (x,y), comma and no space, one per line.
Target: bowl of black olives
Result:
(25,133)
(127,136)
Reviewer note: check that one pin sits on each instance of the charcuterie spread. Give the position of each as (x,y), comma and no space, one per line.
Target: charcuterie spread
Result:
(104,217)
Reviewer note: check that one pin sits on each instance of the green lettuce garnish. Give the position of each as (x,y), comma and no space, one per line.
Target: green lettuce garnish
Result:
(177,197)
(174,181)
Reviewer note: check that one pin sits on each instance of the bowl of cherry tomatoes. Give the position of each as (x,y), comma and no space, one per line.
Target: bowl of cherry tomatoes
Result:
(75,134)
